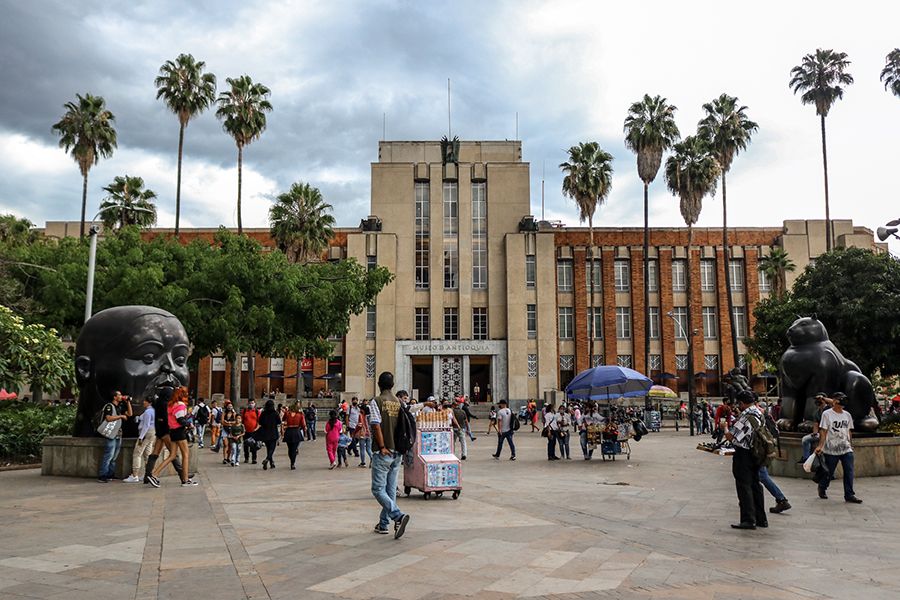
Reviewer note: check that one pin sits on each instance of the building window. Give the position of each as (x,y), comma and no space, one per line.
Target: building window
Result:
(681,362)
(736,270)
(598,275)
(622,269)
(765,282)
(564,275)
(596,322)
(624,360)
(623,322)
(451,235)
(479,235)
(371,263)
(679,283)
(707,275)
(530,272)
(423,233)
(423,326)
(451,324)
(566,323)
(655,362)
(596,360)
(370,322)
(679,315)
(652,276)
(711,362)
(710,323)
(742,361)
(531,320)
(370,366)
(479,324)
(566,362)
(532,365)
(654,323)
(740,322)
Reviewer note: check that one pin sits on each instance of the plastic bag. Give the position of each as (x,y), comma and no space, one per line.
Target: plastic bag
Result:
(808,465)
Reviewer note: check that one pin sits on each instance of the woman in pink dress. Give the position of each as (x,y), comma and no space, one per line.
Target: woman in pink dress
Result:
(333,430)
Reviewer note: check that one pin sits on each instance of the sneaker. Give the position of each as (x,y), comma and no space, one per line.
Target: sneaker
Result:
(823,495)
(463,458)
(225,461)
(252,463)
(153,481)
(189,483)
(331,467)
(512,458)
(853,500)
(361,465)
(131,479)
(780,506)
(381,530)
(400,526)
(496,456)
(102,480)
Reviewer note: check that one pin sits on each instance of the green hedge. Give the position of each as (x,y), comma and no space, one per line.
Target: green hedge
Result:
(23,426)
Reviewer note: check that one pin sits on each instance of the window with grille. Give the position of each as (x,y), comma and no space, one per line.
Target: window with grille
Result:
(708,275)
(652,276)
(451,324)
(479,235)
(370,322)
(530,272)
(531,320)
(679,283)
(740,322)
(532,365)
(711,362)
(566,323)
(681,362)
(479,324)
(564,275)
(654,322)
(622,272)
(566,362)
(370,366)
(624,360)
(679,315)
(423,234)
(742,361)
(655,362)
(710,323)
(598,275)
(423,325)
(451,235)
(623,322)
(596,360)
(736,270)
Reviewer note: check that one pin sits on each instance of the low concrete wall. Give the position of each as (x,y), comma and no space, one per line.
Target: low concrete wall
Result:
(69,456)
(872,457)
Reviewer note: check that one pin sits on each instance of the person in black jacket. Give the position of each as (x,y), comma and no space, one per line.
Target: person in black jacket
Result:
(268,432)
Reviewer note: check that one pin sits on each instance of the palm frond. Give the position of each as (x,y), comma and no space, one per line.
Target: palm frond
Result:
(86,131)
(301,222)
(890,74)
(242,109)
(128,203)
(185,88)
(691,174)
(820,79)
(650,130)
(587,177)
(726,128)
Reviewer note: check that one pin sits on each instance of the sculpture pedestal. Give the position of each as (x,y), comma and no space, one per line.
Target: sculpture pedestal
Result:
(69,456)
(873,456)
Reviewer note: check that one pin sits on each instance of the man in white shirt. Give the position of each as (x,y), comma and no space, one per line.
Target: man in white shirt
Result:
(552,428)
(834,444)
(505,430)
(145,441)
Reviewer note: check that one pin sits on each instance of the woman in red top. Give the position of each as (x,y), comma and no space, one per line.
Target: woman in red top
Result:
(294,422)
(177,417)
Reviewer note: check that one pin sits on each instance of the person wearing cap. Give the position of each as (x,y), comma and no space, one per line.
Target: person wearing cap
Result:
(834,444)
(809,440)
(744,467)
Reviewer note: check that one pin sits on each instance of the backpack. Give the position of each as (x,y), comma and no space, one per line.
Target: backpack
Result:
(514,423)
(404,431)
(218,417)
(762,444)
(202,415)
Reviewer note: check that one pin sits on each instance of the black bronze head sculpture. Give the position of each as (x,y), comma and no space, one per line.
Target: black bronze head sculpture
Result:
(135,349)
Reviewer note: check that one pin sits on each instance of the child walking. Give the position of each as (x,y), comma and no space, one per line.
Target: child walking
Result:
(235,438)
(333,429)
(344,442)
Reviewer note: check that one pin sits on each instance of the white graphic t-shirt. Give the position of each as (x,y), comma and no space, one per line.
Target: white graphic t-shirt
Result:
(838,426)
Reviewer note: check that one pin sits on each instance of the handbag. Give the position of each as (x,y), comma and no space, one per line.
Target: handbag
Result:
(109,429)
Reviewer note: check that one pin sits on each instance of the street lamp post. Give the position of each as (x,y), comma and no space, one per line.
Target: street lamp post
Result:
(689,335)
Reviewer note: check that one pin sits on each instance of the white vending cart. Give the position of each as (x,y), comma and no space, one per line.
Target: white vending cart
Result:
(434,469)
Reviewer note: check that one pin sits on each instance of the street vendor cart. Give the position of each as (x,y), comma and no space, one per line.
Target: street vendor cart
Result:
(432,467)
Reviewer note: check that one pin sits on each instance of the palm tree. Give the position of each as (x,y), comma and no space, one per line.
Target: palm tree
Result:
(691,174)
(128,203)
(187,91)
(86,129)
(301,222)
(821,78)
(726,130)
(775,265)
(650,130)
(242,110)
(890,74)
(588,181)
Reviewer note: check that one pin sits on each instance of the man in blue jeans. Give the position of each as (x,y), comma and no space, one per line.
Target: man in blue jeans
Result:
(111,412)
(834,442)
(505,430)
(383,412)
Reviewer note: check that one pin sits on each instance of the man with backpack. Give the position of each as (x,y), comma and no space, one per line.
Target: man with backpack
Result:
(745,466)
(201,420)
(393,432)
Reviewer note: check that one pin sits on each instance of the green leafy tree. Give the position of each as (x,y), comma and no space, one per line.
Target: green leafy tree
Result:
(301,223)
(86,130)
(128,203)
(187,91)
(588,180)
(691,174)
(775,266)
(890,74)
(33,354)
(820,79)
(856,295)
(727,131)
(650,130)
(242,110)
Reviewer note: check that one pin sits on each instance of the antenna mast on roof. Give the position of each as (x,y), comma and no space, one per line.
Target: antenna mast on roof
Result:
(543,163)
(449,128)
(517,125)
(383,126)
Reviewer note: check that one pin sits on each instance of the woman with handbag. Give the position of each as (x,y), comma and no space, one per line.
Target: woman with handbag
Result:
(294,424)
(178,423)
(269,425)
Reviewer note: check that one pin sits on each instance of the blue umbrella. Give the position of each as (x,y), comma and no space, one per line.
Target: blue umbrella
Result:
(605,382)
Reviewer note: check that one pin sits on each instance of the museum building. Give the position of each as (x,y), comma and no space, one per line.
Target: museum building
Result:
(488,301)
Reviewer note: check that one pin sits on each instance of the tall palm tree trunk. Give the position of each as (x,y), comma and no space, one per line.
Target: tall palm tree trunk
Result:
(726,254)
(646,278)
(590,310)
(240,166)
(690,330)
(178,183)
(83,202)
(828,240)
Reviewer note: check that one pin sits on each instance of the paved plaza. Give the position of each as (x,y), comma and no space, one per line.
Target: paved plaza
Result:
(655,526)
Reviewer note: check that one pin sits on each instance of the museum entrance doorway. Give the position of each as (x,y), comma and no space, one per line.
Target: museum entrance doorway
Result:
(422,377)
(479,378)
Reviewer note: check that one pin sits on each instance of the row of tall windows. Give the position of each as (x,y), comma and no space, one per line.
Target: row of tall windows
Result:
(451,235)
(479,236)
(423,234)
(451,324)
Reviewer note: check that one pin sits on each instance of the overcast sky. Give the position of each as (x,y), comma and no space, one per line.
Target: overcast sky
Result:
(569,69)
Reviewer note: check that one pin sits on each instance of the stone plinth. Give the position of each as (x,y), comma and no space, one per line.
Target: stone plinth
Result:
(80,457)
(873,457)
